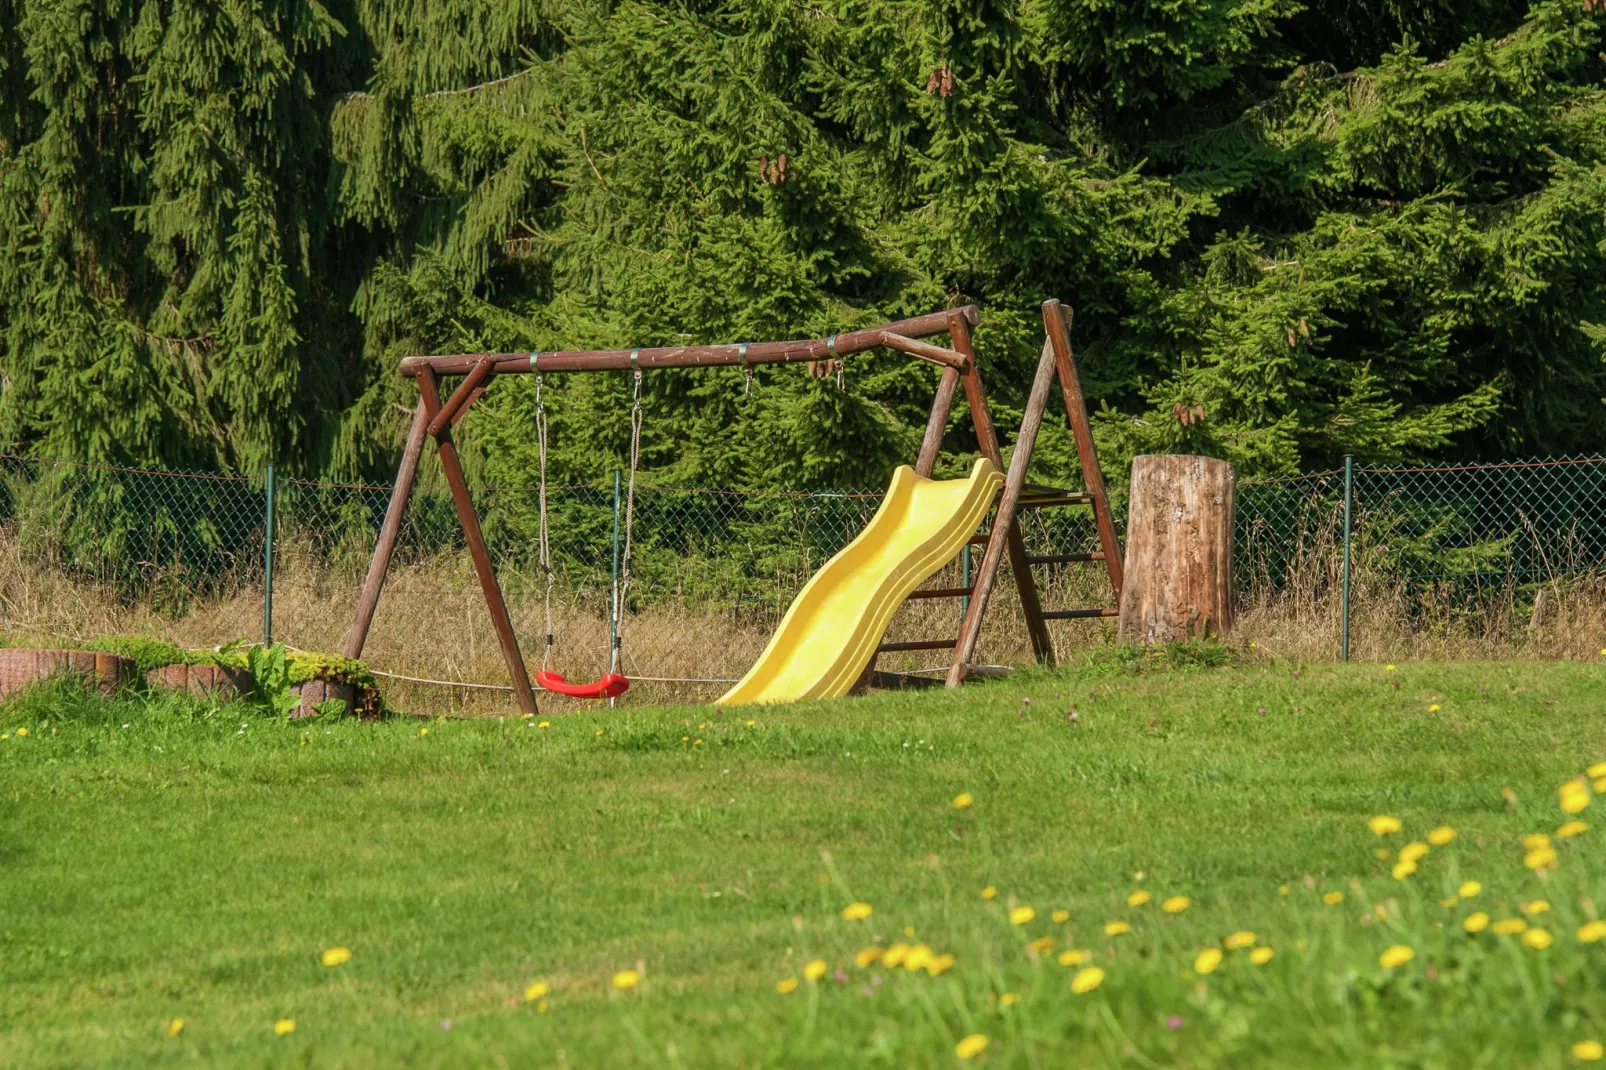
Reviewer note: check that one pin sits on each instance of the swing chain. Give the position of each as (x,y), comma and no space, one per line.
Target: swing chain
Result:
(630,517)
(545,540)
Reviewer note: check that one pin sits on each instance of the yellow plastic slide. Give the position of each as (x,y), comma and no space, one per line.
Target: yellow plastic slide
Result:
(828,636)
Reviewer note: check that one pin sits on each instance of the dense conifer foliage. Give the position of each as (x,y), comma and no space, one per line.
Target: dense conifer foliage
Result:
(1290,230)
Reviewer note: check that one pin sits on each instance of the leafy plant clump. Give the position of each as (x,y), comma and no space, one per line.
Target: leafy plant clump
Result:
(1135,660)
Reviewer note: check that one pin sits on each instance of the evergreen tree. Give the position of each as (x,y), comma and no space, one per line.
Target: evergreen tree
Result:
(1289,231)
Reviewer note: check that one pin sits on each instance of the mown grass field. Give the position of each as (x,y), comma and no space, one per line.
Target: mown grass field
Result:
(164,860)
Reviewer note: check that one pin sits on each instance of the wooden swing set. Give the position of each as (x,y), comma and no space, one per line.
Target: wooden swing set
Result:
(435,419)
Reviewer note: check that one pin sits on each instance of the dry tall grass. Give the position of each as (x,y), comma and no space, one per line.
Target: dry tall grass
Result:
(432,624)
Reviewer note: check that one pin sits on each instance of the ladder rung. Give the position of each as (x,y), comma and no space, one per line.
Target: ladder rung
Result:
(1060,559)
(1037,497)
(921,644)
(980,540)
(942,592)
(1078,614)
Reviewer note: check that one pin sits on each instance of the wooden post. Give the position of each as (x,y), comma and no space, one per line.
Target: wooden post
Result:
(357,635)
(987,438)
(1054,323)
(1178,549)
(1004,520)
(477,551)
(937,422)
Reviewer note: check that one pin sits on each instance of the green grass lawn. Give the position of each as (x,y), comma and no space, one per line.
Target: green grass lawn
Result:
(162,860)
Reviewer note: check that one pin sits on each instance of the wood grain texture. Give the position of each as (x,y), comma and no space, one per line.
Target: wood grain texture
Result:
(1178,549)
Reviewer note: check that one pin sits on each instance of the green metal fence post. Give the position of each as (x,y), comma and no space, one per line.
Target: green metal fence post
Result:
(964,580)
(1349,505)
(615,609)
(267,560)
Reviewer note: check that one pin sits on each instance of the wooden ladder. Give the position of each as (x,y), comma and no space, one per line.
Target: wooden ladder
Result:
(1056,362)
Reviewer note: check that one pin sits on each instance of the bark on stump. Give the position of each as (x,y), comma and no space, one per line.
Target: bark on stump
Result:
(219,680)
(1178,549)
(22,668)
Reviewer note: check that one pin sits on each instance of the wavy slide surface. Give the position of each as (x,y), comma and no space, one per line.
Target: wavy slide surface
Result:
(829,634)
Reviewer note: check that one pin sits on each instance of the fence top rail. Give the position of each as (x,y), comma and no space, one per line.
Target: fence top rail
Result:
(701,356)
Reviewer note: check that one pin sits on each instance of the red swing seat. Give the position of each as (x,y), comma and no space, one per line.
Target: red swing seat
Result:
(611,685)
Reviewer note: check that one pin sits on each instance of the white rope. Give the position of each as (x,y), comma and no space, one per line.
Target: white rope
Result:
(505,687)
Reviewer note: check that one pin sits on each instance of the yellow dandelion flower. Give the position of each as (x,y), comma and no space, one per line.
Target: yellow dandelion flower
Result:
(1534,841)
(1538,939)
(1116,928)
(857,911)
(918,958)
(542,1007)
(1282,889)
(1239,940)
(1540,859)
(971,1046)
(1414,851)
(786,985)
(599,731)
(284,1027)
(1591,932)
(625,980)
(337,956)
(1388,668)
(422,732)
(1600,784)
(1403,870)
(1469,889)
(1476,923)
(1138,898)
(1571,829)
(685,739)
(175,1027)
(22,733)
(1588,1051)
(1070,957)
(989,892)
(1060,917)
(1596,770)
(867,957)
(544,724)
(1086,980)
(963,800)
(1573,795)
(1009,999)
(1441,835)
(1042,945)
(1021,915)
(750,724)
(940,964)
(1537,906)
(1261,955)
(1434,707)
(1509,926)
(1332,899)
(1207,960)
(894,956)
(1176,904)
(1398,955)
(536,991)
(1383,825)
(814,970)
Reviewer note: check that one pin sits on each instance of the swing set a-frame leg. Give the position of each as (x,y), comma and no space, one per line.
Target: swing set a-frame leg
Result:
(476,549)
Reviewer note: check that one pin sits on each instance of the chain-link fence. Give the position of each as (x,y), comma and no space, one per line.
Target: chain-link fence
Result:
(1496,558)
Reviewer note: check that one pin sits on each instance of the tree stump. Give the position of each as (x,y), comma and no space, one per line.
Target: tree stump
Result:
(21,668)
(1178,549)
